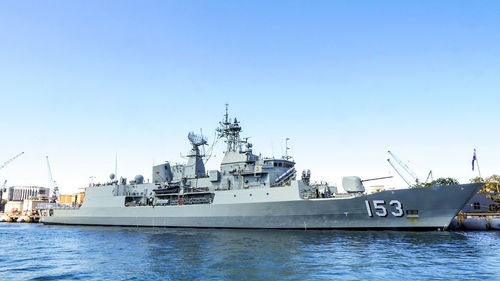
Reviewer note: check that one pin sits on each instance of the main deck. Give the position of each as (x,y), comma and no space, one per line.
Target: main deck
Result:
(417,208)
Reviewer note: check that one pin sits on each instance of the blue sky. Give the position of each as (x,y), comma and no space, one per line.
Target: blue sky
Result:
(344,80)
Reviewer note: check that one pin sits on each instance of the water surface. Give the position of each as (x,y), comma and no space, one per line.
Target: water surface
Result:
(39,252)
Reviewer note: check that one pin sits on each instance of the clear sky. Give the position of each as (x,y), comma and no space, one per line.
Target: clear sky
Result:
(346,81)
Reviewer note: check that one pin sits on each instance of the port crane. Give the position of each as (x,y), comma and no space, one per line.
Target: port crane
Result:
(10,160)
(2,189)
(53,185)
(405,168)
(429,176)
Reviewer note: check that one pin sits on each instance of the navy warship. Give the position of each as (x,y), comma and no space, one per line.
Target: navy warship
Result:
(251,191)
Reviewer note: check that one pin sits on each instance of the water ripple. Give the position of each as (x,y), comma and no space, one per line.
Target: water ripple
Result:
(38,252)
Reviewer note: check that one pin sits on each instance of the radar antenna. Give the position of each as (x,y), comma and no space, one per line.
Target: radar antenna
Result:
(195,166)
(197,140)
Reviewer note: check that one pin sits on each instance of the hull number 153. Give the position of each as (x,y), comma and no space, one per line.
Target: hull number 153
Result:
(395,208)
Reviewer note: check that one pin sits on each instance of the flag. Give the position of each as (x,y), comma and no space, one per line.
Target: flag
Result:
(474,159)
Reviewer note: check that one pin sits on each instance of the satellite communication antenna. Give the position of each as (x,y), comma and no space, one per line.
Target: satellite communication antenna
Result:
(197,140)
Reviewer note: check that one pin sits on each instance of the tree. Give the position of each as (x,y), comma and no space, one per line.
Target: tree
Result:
(492,183)
(446,181)
(439,181)
(477,179)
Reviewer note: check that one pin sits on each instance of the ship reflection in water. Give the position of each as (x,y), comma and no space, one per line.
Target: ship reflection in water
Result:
(127,253)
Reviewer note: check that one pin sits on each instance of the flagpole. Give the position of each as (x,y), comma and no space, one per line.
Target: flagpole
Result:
(478,170)
(477,163)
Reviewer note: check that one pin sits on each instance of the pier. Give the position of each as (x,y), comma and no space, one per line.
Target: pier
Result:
(33,217)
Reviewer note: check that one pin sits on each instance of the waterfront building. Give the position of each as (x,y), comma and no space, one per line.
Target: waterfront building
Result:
(20,193)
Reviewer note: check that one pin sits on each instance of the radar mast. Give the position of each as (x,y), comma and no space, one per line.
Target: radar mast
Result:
(230,131)
(195,167)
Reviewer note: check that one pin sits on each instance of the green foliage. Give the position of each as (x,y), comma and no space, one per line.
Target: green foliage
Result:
(423,184)
(477,179)
(446,181)
(440,181)
(491,183)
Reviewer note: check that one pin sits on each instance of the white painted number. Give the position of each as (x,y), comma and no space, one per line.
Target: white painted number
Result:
(368,208)
(379,206)
(381,210)
(399,208)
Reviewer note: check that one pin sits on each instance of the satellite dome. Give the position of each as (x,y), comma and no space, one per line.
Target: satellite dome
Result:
(139,179)
(112,176)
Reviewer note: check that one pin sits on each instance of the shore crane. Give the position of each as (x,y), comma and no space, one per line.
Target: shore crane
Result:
(3,166)
(53,185)
(405,168)
(429,176)
(2,189)
(10,160)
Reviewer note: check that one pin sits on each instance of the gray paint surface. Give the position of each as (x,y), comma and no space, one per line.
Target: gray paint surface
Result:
(436,207)
(250,191)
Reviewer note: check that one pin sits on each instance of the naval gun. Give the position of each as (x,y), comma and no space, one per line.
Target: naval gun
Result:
(354,184)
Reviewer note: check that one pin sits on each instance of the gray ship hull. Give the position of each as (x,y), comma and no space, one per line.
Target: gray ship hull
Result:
(416,208)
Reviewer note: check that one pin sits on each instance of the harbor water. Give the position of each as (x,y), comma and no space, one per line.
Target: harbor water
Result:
(39,252)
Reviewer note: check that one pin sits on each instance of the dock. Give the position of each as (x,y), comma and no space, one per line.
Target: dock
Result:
(34,217)
(472,221)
